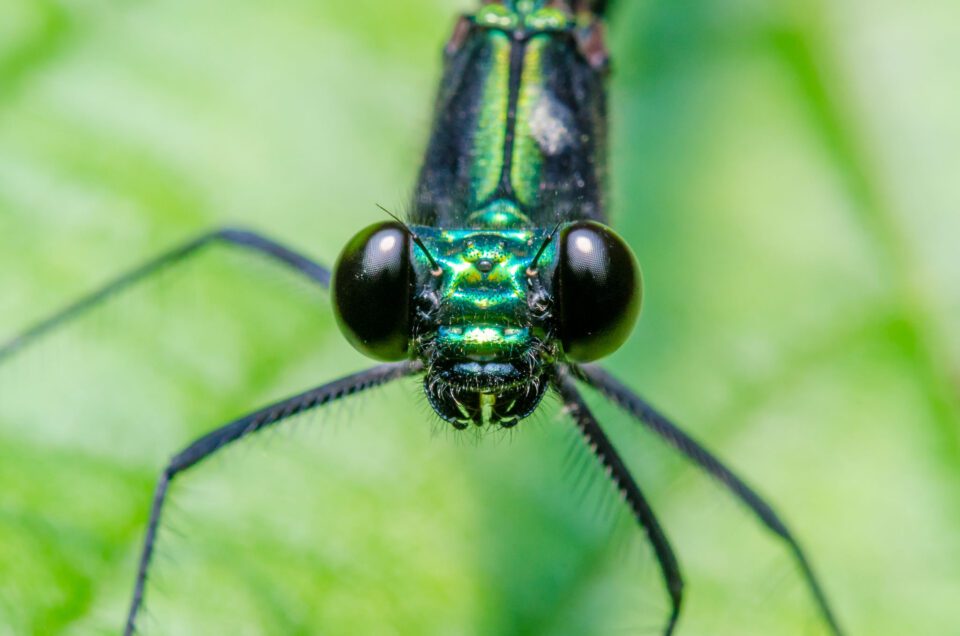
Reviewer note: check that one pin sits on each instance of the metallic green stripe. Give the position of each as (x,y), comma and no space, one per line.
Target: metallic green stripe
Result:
(527,159)
(490,137)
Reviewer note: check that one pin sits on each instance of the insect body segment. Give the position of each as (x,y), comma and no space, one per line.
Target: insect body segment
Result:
(520,120)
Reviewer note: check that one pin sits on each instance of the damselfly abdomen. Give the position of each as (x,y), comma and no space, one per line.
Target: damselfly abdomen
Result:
(503,280)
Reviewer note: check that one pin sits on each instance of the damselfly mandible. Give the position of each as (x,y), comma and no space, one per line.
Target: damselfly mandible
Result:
(504,282)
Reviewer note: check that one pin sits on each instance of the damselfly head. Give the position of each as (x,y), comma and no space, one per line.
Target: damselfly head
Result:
(487,310)
(486,350)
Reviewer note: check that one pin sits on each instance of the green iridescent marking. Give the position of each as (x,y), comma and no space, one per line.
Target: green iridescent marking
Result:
(548,19)
(527,159)
(483,288)
(483,342)
(501,214)
(497,16)
(531,15)
(525,7)
(490,137)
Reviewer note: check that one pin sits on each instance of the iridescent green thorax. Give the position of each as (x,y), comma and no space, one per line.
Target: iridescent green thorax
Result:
(520,119)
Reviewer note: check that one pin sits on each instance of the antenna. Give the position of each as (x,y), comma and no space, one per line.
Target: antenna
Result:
(532,267)
(436,270)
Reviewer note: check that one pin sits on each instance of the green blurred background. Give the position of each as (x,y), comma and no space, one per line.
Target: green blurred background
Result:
(786,172)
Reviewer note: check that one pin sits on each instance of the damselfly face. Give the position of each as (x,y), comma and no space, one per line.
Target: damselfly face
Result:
(483,324)
(487,310)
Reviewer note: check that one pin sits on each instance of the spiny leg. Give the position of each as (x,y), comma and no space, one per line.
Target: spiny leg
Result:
(232,236)
(602,447)
(639,408)
(217,439)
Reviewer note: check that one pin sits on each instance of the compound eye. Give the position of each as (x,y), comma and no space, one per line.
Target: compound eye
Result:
(599,290)
(372,285)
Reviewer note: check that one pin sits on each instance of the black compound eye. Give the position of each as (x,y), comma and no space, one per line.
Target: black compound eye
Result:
(371,291)
(598,289)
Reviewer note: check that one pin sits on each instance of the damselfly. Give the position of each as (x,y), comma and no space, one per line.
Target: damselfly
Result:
(504,282)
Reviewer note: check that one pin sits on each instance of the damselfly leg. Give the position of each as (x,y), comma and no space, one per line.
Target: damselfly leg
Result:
(622,396)
(237,237)
(218,439)
(617,471)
